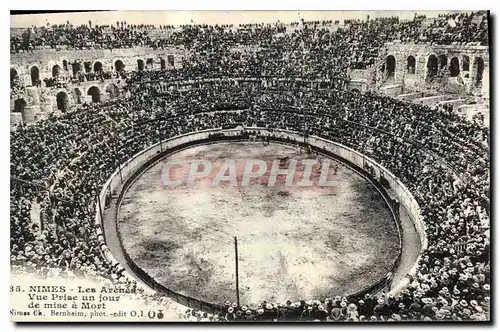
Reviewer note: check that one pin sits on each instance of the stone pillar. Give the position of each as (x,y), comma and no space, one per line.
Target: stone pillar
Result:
(29,112)
(32,105)
(32,96)
(16,118)
(25,79)
(487,118)
(485,87)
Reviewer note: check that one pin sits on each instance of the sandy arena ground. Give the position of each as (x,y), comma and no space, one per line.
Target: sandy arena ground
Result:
(294,242)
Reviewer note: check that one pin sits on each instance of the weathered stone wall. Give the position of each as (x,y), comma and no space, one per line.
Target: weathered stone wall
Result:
(359,79)
(464,82)
(46,59)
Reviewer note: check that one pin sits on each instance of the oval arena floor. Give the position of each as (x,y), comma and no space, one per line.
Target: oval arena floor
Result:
(294,242)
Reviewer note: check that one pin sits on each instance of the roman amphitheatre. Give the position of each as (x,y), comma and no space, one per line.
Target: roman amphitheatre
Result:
(398,106)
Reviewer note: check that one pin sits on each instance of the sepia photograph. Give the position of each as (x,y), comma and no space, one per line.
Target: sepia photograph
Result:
(250,166)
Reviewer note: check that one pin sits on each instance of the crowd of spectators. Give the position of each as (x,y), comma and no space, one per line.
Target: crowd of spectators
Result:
(83,36)
(307,49)
(63,81)
(459,27)
(59,164)
(383,308)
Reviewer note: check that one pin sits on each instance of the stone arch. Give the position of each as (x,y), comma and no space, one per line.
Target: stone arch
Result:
(112,90)
(454,67)
(62,101)
(479,65)
(56,70)
(443,61)
(95,92)
(76,67)
(170,60)
(390,65)
(97,66)
(432,66)
(35,75)
(119,66)
(78,95)
(87,66)
(355,90)
(65,65)
(149,63)
(140,64)
(411,64)
(163,64)
(465,63)
(19,105)
(13,74)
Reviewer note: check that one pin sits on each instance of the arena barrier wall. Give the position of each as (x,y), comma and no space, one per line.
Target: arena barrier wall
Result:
(127,172)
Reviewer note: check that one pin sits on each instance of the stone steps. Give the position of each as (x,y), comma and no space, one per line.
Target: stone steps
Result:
(410,96)
(391,90)
(431,100)
(453,102)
